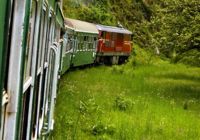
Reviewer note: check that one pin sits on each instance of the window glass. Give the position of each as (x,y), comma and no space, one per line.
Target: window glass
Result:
(103,34)
(113,36)
(127,37)
(120,37)
(108,36)
(29,46)
(47,21)
(40,50)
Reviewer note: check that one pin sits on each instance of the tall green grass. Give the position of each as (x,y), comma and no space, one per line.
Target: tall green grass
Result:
(139,100)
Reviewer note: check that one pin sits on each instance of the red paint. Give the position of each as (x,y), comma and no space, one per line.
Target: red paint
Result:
(114,42)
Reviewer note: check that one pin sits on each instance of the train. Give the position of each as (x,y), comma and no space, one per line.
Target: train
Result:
(37,46)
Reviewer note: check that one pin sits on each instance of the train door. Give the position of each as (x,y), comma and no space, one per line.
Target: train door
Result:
(5,20)
(119,42)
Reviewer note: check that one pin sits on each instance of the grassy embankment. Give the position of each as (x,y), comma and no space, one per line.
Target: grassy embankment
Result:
(133,101)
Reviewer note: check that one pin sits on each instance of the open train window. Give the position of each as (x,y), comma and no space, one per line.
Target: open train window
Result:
(69,44)
(85,38)
(90,43)
(25,112)
(80,43)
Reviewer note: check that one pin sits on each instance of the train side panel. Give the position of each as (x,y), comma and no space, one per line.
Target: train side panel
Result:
(34,52)
(84,51)
(5,7)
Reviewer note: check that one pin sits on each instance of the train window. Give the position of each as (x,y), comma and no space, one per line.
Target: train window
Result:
(40,49)
(107,43)
(27,89)
(90,44)
(29,46)
(108,36)
(80,43)
(86,45)
(57,33)
(85,38)
(113,36)
(69,43)
(25,111)
(48,25)
(49,88)
(127,37)
(35,106)
(120,37)
(103,34)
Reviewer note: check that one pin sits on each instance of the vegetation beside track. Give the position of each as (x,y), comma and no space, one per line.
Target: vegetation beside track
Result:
(170,26)
(139,100)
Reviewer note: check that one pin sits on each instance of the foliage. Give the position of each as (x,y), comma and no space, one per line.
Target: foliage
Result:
(122,103)
(171,26)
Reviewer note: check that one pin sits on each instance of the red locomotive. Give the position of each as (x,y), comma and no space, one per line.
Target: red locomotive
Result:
(114,45)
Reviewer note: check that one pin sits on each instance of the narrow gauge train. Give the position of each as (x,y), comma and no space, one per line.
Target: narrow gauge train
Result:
(29,64)
(35,47)
(86,43)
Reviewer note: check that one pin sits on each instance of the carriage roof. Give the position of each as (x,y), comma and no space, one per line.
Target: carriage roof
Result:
(113,29)
(80,26)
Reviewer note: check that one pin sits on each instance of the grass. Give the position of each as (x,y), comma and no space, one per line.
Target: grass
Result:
(145,99)
(145,102)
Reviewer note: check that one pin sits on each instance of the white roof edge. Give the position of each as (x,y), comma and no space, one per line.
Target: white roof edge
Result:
(113,29)
(82,26)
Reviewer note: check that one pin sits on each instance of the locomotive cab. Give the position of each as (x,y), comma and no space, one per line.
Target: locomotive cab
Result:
(114,44)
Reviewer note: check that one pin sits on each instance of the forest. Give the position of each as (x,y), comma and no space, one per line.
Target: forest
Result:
(168,28)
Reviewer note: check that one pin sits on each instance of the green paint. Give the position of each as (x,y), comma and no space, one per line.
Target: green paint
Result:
(52,3)
(4,18)
(59,17)
(83,58)
(66,61)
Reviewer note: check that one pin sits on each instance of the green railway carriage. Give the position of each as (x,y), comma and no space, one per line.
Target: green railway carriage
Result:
(29,64)
(83,41)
